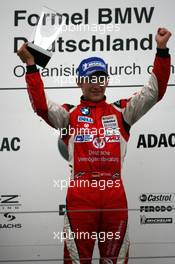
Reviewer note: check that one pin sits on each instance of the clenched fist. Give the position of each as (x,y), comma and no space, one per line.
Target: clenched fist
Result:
(162,37)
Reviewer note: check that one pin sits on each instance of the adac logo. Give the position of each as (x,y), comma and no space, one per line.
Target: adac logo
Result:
(99,142)
(85,110)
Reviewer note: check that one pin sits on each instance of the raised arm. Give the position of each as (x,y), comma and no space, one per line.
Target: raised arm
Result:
(136,106)
(55,115)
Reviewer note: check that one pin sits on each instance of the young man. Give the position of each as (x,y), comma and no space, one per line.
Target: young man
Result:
(96,152)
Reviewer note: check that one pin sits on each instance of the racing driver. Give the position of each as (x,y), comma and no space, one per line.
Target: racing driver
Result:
(97,156)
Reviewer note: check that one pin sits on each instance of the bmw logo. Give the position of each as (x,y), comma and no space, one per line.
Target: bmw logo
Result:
(85,110)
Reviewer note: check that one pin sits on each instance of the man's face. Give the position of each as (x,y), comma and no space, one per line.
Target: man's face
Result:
(94,86)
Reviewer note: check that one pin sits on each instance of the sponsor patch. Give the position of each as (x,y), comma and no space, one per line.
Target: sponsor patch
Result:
(85,110)
(84,138)
(85,119)
(110,125)
(109,121)
(99,142)
(112,139)
(93,64)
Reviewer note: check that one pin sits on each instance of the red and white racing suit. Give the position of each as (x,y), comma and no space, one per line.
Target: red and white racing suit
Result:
(96,157)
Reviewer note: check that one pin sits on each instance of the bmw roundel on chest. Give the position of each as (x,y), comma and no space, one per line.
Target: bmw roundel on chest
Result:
(85,111)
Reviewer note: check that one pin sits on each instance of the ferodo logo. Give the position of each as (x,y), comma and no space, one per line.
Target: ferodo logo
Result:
(157,208)
(157,197)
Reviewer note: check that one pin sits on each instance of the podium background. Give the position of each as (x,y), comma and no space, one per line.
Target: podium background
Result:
(30,161)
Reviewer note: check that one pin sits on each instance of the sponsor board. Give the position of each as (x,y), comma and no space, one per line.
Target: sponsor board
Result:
(156,208)
(62,209)
(10,144)
(156,197)
(10,202)
(155,220)
(10,226)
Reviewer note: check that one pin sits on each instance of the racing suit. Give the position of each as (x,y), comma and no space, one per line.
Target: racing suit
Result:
(95,157)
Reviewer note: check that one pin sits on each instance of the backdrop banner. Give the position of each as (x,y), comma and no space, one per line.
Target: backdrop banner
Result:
(34,174)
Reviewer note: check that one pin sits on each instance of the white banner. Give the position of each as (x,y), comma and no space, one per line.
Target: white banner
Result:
(33,172)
